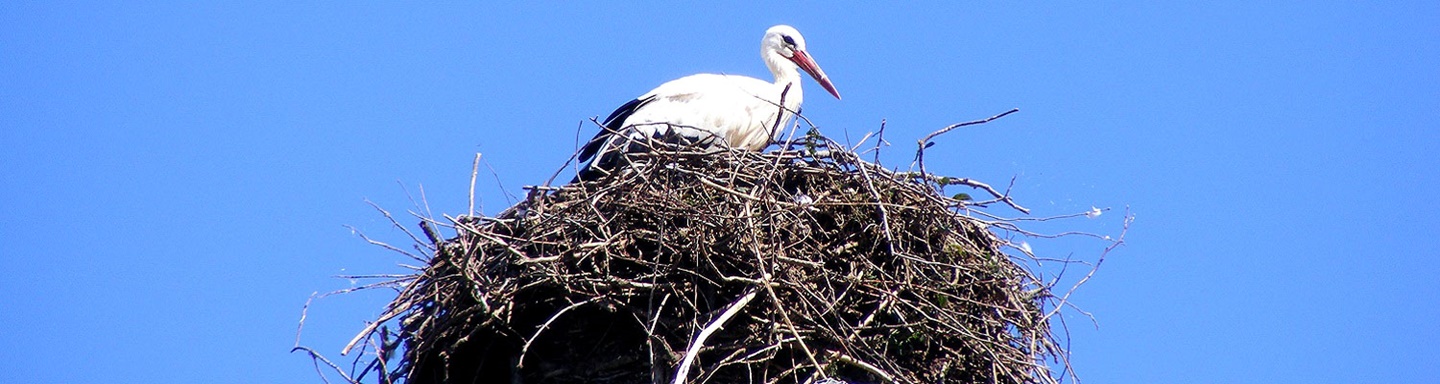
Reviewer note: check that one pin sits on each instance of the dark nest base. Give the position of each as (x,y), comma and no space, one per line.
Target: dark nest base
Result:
(730,267)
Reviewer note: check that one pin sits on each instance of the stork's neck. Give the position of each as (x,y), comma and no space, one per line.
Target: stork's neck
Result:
(786,73)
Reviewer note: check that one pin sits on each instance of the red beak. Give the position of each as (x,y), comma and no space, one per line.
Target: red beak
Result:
(806,63)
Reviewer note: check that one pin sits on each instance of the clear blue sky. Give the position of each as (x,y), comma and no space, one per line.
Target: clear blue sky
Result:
(175,179)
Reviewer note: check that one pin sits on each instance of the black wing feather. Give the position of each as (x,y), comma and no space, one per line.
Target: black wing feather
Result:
(612,126)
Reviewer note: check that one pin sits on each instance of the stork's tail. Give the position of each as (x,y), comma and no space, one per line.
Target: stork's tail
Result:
(610,153)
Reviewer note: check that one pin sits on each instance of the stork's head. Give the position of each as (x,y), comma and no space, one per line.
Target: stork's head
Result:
(785,41)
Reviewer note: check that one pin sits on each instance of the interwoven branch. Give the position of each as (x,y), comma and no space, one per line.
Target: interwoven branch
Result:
(862,273)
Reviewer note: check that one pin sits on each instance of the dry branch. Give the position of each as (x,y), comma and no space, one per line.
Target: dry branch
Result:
(795,266)
(865,272)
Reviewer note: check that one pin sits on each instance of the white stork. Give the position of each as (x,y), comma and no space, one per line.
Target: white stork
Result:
(734,111)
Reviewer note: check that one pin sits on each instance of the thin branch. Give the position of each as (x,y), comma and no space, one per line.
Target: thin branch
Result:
(690,353)
(780,116)
(509,196)
(847,359)
(523,350)
(925,142)
(395,224)
(474,171)
(381,244)
(317,358)
(965,181)
(1116,243)
(880,140)
(941,131)
(679,226)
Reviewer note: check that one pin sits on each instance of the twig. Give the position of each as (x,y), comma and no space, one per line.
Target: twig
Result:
(943,180)
(395,310)
(317,358)
(1125,227)
(474,171)
(521,361)
(303,312)
(879,141)
(381,244)
(862,141)
(697,225)
(694,350)
(942,131)
(766,276)
(511,197)
(925,142)
(879,205)
(780,116)
(397,225)
(656,373)
(847,359)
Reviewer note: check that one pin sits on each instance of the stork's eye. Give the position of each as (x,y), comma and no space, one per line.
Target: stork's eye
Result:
(788,40)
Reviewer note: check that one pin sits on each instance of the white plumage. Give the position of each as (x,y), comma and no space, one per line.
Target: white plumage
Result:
(709,109)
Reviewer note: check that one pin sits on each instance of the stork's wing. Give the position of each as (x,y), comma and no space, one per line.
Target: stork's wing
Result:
(612,126)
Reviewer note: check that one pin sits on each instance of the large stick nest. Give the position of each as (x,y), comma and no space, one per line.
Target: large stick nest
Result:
(729,267)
